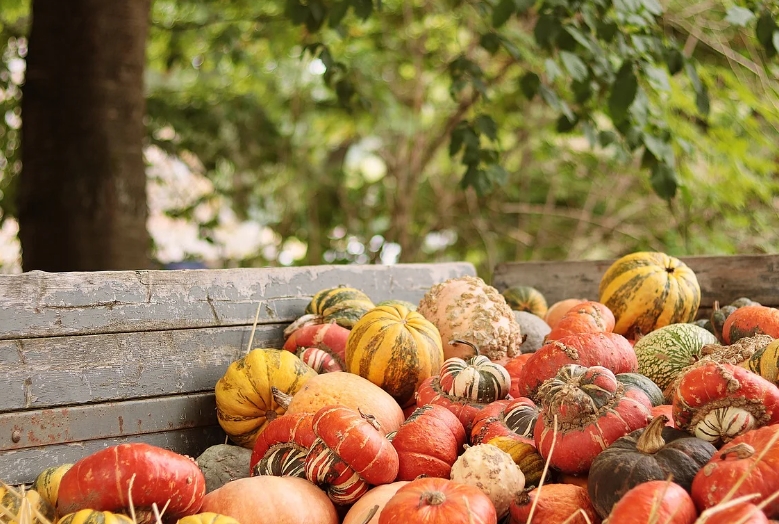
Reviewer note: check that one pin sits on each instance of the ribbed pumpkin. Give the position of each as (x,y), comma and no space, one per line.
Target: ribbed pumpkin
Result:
(396,349)
(47,483)
(748,321)
(765,362)
(91,516)
(643,384)
(244,400)
(649,290)
(526,298)
(478,378)
(207,518)
(11,501)
(281,449)
(524,455)
(342,305)
(665,352)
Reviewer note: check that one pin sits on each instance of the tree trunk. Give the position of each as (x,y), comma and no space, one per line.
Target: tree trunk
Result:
(82,194)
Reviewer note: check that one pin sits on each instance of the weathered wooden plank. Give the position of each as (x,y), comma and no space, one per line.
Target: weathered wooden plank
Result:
(42,373)
(38,304)
(23,465)
(28,429)
(722,278)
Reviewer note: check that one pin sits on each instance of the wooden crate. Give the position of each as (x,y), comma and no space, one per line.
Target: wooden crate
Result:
(89,360)
(722,278)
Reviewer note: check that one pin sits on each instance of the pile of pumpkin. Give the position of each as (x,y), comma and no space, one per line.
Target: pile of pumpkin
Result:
(478,407)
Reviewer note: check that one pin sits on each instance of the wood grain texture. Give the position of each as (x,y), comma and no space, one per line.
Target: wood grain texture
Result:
(42,373)
(722,278)
(23,465)
(39,304)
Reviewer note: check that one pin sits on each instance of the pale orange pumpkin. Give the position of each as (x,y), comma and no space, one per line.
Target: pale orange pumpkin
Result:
(375,498)
(557,310)
(557,503)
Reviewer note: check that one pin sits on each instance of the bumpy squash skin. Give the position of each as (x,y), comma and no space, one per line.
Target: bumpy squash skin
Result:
(649,290)
(396,349)
(466,308)
(765,362)
(244,399)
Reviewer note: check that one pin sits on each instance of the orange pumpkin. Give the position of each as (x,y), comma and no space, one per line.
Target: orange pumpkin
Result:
(656,501)
(557,504)
(557,310)
(748,321)
(587,317)
(375,498)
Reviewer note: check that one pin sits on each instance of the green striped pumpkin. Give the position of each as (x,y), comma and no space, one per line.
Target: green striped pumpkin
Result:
(47,483)
(649,290)
(665,352)
(11,501)
(342,305)
(526,298)
(91,516)
(396,349)
(765,362)
(644,384)
(395,302)
(478,379)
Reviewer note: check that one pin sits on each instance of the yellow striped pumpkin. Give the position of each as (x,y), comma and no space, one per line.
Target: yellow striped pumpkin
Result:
(765,362)
(244,399)
(207,518)
(649,290)
(524,455)
(342,305)
(526,298)
(47,483)
(24,507)
(396,349)
(91,516)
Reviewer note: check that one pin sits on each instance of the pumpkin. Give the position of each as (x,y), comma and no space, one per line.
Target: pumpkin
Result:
(649,290)
(534,330)
(654,502)
(272,500)
(557,503)
(526,298)
(514,366)
(350,390)
(90,516)
(438,501)
(665,410)
(396,349)
(465,409)
(587,317)
(524,455)
(349,453)
(652,453)
(47,483)
(320,360)
(207,518)
(587,349)
(643,384)
(244,399)
(395,302)
(717,402)
(282,448)
(748,464)
(19,506)
(343,305)
(428,443)
(665,352)
(743,513)
(718,317)
(372,503)
(466,308)
(557,310)
(748,321)
(765,362)
(101,481)
(590,410)
(492,470)
(329,339)
(478,378)
(515,418)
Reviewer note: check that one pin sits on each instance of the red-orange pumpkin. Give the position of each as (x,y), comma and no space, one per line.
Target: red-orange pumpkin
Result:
(439,501)
(321,346)
(282,448)
(654,502)
(515,419)
(744,513)
(558,310)
(557,503)
(748,321)
(372,503)
(587,317)
(464,409)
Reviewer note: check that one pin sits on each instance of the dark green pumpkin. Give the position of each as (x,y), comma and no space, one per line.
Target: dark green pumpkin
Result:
(651,453)
(639,381)
(342,305)
(526,298)
(718,318)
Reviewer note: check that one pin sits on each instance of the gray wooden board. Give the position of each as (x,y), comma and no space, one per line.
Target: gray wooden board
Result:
(23,465)
(722,278)
(39,304)
(35,428)
(42,373)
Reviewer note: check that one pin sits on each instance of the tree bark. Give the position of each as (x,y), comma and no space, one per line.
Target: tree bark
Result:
(82,195)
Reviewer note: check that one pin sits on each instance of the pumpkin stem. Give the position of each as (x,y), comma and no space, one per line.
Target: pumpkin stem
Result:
(467,343)
(371,419)
(651,439)
(431,498)
(281,398)
(741,450)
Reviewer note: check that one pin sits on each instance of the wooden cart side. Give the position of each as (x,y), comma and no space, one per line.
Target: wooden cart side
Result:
(89,360)
(722,278)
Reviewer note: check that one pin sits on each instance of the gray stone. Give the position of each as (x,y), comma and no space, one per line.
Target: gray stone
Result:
(533,328)
(222,463)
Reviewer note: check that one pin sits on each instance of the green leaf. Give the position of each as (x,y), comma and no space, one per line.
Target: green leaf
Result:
(564,125)
(692,74)
(337,13)
(476,178)
(529,84)
(472,153)
(584,40)
(623,92)
(502,12)
(553,71)
(363,8)
(590,133)
(674,60)
(317,12)
(658,78)
(653,6)
(524,5)
(627,6)
(490,42)
(510,48)
(765,29)
(487,126)
(546,30)
(606,31)
(739,16)
(660,149)
(574,65)
(296,12)
(496,174)
(639,109)
(606,138)
(664,181)
(702,101)
(457,138)
(775,40)
(582,91)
